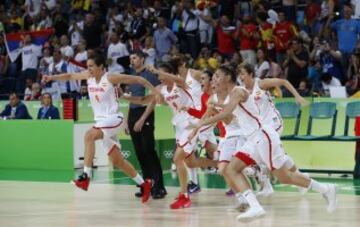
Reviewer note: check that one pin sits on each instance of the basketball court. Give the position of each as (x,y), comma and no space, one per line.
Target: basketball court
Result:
(35,198)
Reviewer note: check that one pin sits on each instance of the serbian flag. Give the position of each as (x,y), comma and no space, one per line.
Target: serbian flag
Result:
(13,41)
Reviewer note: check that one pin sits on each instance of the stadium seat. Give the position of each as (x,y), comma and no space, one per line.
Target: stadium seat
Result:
(320,110)
(352,111)
(290,110)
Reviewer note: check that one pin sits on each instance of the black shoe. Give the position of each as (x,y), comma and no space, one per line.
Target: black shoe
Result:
(159,194)
(140,193)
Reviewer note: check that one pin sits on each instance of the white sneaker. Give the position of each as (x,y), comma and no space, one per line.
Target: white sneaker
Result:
(252,213)
(240,205)
(330,197)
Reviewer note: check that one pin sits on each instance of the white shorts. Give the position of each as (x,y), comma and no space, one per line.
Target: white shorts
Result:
(111,127)
(207,134)
(263,147)
(182,134)
(229,146)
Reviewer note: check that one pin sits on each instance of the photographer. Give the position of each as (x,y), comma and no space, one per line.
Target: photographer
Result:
(330,60)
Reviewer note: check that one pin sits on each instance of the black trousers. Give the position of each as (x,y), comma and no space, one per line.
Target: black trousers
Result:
(144,144)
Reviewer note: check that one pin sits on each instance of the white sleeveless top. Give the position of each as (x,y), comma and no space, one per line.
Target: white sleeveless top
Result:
(248,116)
(176,98)
(194,89)
(103,98)
(269,114)
(233,128)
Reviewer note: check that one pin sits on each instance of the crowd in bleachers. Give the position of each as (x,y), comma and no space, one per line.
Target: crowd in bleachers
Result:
(312,43)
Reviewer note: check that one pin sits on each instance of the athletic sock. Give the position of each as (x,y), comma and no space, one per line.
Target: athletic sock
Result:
(88,171)
(251,198)
(193,175)
(318,187)
(138,179)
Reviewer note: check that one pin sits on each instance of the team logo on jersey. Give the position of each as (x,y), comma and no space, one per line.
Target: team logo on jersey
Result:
(168,154)
(189,83)
(126,154)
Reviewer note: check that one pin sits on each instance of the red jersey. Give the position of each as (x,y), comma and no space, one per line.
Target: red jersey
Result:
(225,41)
(283,33)
(248,42)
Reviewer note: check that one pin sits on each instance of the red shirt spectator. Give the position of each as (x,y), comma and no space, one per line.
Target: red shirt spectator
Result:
(225,41)
(247,40)
(312,11)
(283,32)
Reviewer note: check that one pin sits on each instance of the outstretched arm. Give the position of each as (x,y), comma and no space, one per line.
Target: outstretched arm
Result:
(167,76)
(266,84)
(117,78)
(66,76)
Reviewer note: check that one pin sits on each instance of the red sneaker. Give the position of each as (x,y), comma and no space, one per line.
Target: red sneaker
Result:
(82,182)
(181,202)
(146,190)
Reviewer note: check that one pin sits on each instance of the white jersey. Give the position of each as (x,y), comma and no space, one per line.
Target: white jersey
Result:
(269,114)
(233,128)
(194,89)
(103,98)
(176,98)
(248,116)
(116,51)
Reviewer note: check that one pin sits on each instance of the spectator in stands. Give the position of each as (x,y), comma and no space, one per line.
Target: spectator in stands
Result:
(56,67)
(262,68)
(76,29)
(190,42)
(296,62)
(48,110)
(15,109)
(164,38)
(312,13)
(32,7)
(327,81)
(28,85)
(116,50)
(330,61)
(248,40)
(138,29)
(61,26)
(347,30)
(35,92)
(81,52)
(283,32)
(30,54)
(45,61)
(226,35)
(149,51)
(92,31)
(66,50)
(206,29)
(304,88)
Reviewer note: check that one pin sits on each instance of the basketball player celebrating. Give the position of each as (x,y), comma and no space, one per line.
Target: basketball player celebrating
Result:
(262,146)
(259,92)
(174,93)
(108,120)
(206,135)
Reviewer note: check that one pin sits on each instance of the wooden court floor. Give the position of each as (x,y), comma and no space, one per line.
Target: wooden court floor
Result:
(28,203)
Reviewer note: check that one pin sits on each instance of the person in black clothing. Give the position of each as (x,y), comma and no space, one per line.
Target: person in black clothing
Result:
(141,127)
(297,61)
(92,32)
